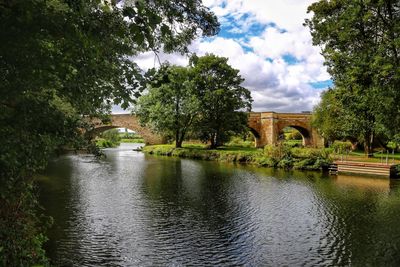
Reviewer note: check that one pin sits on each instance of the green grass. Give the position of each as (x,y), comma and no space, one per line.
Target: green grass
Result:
(102,143)
(298,158)
(199,151)
(359,155)
(376,154)
(294,143)
(237,148)
(137,140)
(239,142)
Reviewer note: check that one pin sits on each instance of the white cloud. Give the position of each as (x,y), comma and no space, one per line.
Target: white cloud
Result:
(286,14)
(150,60)
(276,85)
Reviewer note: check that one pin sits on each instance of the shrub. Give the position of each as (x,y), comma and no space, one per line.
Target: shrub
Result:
(285,163)
(266,162)
(280,156)
(277,152)
(105,143)
(341,147)
(312,159)
(294,143)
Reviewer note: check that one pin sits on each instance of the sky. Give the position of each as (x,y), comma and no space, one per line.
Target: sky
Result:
(267,42)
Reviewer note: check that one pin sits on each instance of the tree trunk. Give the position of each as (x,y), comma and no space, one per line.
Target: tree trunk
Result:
(213,142)
(178,140)
(218,139)
(368,140)
(178,143)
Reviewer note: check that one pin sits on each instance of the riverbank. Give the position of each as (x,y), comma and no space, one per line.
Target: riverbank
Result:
(276,157)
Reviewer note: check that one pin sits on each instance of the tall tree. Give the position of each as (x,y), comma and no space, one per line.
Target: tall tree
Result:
(170,107)
(60,61)
(223,101)
(333,121)
(360,43)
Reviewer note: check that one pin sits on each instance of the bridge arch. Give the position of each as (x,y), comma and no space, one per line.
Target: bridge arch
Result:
(267,126)
(304,132)
(130,122)
(257,136)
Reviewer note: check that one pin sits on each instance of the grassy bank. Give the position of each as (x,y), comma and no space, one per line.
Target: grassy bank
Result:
(103,143)
(135,140)
(277,157)
(377,157)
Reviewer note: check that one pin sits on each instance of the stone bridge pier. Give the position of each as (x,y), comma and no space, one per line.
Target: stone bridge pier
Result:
(267,126)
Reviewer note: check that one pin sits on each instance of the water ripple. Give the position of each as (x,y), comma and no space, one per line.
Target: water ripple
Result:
(135,210)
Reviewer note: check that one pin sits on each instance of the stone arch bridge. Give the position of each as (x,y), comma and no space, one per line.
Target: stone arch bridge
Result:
(130,122)
(266,127)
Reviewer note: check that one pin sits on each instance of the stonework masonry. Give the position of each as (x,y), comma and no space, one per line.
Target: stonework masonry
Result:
(266,127)
(130,122)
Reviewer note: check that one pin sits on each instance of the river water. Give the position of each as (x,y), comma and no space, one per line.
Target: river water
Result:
(131,209)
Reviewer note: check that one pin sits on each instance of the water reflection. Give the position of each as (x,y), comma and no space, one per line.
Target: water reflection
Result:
(364,183)
(137,210)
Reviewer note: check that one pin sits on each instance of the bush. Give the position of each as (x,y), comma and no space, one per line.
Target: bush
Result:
(311,158)
(112,138)
(294,143)
(285,163)
(105,143)
(312,152)
(280,156)
(341,147)
(266,162)
(277,152)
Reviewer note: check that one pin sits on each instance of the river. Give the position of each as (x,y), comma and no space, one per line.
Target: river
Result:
(132,209)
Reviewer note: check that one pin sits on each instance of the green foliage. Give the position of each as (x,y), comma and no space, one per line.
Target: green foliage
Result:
(266,162)
(222,99)
(200,152)
(138,140)
(236,141)
(341,147)
(112,138)
(293,134)
(293,143)
(102,143)
(61,63)
(285,163)
(204,100)
(21,229)
(170,107)
(392,145)
(278,152)
(359,41)
(311,158)
(330,118)
(272,156)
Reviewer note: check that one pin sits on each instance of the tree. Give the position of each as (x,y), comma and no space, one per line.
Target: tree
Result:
(62,61)
(223,101)
(359,41)
(170,107)
(331,118)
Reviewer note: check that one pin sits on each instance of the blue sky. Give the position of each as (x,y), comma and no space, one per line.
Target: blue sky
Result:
(267,42)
